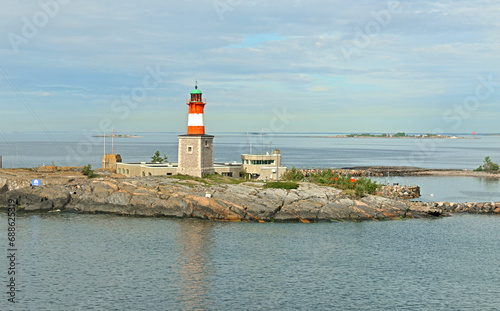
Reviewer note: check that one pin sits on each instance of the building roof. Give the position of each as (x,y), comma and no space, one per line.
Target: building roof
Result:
(196,91)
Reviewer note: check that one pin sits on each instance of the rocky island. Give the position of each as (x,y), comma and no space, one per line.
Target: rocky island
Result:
(222,199)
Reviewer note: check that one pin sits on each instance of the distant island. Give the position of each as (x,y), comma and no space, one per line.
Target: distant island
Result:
(397,135)
(118,135)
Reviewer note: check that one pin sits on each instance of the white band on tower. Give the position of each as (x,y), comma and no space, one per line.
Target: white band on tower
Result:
(195,119)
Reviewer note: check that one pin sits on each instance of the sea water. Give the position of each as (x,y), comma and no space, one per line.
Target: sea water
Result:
(106,262)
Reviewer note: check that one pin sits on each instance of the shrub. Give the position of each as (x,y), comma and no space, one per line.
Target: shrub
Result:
(294,174)
(88,171)
(360,187)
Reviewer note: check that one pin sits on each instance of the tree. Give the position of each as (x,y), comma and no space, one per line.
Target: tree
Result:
(88,171)
(488,166)
(158,158)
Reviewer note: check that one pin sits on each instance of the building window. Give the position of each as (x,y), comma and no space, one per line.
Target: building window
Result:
(143,174)
(119,170)
(149,174)
(128,172)
(169,174)
(206,143)
(261,162)
(190,149)
(228,174)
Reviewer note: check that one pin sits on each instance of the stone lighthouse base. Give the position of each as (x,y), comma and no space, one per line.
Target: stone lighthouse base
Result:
(196,155)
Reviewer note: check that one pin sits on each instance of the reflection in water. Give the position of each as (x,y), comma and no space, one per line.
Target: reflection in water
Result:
(195,242)
(490,184)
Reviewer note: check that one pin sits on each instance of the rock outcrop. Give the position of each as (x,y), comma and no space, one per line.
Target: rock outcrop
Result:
(248,201)
(400,192)
(468,207)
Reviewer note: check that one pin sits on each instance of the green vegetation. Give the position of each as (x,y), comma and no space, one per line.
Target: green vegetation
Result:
(210,179)
(281,185)
(158,158)
(399,134)
(219,179)
(366,135)
(88,171)
(294,175)
(244,174)
(359,187)
(488,166)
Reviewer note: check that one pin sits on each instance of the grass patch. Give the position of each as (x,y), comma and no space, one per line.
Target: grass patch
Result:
(210,179)
(281,185)
(219,179)
(187,177)
(187,184)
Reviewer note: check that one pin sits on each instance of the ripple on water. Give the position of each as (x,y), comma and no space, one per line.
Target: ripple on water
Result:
(80,262)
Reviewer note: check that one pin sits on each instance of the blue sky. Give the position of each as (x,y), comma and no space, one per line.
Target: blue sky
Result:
(279,66)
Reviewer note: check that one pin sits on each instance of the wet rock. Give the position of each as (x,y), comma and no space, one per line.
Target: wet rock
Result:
(435,212)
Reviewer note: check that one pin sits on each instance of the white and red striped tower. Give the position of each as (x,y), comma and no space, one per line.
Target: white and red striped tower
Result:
(195,118)
(196,153)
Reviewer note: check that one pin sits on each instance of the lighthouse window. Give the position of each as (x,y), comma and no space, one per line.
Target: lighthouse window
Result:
(206,143)
(190,149)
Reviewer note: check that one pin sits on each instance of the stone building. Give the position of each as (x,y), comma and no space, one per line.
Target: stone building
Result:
(109,161)
(263,166)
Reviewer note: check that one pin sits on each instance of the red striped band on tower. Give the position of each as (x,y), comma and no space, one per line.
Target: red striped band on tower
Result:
(195,117)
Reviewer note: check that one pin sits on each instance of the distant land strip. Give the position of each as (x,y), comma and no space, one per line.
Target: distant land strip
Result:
(119,136)
(390,136)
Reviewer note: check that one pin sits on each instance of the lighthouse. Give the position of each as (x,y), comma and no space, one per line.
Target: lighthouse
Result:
(195,117)
(195,152)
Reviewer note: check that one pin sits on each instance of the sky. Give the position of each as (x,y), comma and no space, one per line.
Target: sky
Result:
(272,66)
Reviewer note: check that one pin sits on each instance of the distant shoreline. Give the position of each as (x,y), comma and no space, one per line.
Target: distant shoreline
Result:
(119,136)
(398,137)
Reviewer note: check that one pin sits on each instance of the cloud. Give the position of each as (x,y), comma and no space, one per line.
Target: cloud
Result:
(258,57)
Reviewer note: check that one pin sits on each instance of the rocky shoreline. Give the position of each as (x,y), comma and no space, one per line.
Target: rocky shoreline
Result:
(468,207)
(379,171)
(413,171)
(205,199)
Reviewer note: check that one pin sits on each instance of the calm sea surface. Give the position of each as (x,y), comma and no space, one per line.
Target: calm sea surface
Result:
(102,262)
